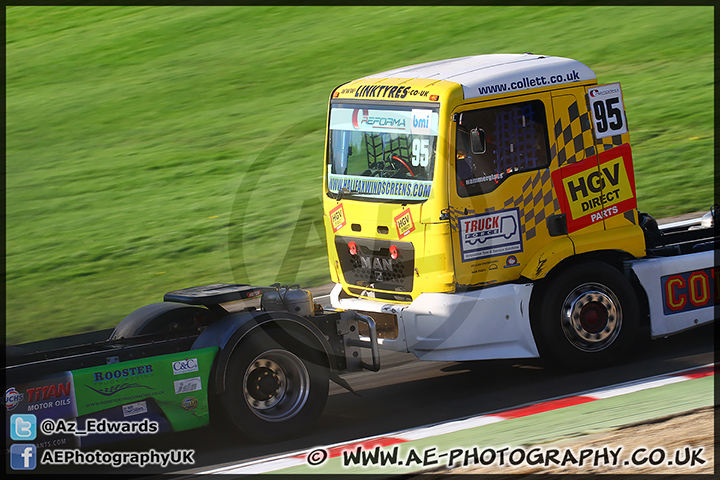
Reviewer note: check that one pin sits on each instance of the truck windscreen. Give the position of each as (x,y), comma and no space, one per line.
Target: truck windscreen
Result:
(382,151)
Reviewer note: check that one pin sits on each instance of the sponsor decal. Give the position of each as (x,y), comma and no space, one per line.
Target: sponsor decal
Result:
(113,389)
(368,120)
(337,218)
(45,392)
(132,385)
(596,188)
(386,91)
(490,234)
(421,122)
(121,373)
(382,91)
(688,291)
(12,398)
(189,403)
(187,385)
(511,261)
(607,110)
(52,396)
(404,223)
(416,121)
(254,293)
(185,366)
(136,408)
(381,187)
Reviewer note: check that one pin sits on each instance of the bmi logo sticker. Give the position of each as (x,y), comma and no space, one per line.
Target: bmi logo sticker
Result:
(490,234)
(337,218)
(404,223)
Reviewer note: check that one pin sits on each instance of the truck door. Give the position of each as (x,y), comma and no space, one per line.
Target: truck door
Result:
(594,181)
(578,174)
(500,190)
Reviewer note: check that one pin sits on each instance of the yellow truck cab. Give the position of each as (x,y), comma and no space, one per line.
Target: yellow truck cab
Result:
(485,207)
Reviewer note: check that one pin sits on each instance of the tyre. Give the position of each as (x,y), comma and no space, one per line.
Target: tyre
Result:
(587,317)
(275,386)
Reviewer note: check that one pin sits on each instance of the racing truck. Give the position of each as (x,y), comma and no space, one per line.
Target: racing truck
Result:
(474,208)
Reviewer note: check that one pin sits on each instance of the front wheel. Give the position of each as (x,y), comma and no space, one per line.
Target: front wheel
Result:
(587,317)
(275,386)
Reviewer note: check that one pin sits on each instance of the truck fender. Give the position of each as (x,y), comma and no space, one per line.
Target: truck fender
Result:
(156,318)
(229,332)
(548,257)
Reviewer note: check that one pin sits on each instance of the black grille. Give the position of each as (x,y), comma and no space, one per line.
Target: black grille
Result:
(373,267)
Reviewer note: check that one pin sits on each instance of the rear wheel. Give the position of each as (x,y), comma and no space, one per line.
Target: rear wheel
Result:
(275,386)
(587,317)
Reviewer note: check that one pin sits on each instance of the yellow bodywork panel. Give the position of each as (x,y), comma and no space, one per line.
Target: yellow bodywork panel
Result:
(518,184)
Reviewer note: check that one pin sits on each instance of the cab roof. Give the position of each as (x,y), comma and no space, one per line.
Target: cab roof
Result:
(484,75)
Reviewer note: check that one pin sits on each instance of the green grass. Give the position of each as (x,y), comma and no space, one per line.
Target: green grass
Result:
(154,148)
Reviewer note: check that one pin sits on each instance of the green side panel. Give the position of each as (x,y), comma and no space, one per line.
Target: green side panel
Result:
(178,382)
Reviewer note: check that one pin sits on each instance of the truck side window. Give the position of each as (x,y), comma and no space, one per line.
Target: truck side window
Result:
(516,141)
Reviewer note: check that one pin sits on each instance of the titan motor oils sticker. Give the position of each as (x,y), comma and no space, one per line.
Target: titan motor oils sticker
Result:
(404,223)
(337,218)
(490,234)
(596,188)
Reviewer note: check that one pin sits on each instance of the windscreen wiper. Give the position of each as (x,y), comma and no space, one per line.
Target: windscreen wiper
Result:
(344,191)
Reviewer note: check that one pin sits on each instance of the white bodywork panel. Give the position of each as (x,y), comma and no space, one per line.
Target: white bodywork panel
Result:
(650,272)
(483,75)
(491,323)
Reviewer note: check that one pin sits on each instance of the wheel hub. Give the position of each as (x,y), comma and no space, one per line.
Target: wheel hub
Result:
(264,383)
(276,385)
(591,317)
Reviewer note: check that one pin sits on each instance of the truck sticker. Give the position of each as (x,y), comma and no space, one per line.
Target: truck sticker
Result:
(607,110)
(415,121)
(136,408)
(187,385)
(123,386)
(185,366)
(596,188)
(381,187)
(687,291)
(12,398)
(404,223)
(490,234)
(337,218)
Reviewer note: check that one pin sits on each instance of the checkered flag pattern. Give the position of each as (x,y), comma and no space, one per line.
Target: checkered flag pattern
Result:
(536,203)
(573,142)
(573,136)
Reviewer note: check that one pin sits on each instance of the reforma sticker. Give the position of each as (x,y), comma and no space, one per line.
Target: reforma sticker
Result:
(490,234)
(596,188)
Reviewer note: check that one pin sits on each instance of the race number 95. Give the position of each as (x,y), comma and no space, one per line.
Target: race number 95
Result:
(608,112)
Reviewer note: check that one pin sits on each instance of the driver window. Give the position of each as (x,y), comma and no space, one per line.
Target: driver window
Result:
(515,138)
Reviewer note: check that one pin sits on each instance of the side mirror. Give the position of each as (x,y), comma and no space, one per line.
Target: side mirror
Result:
(477,141)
